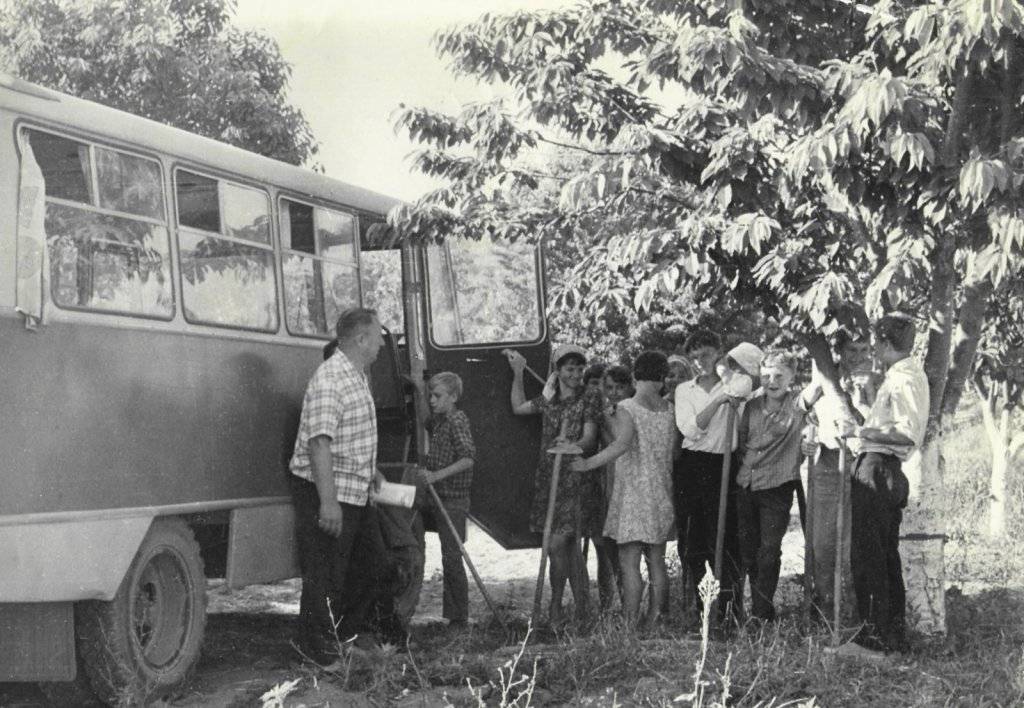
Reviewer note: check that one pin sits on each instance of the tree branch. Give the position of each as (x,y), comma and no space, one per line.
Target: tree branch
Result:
(589,151)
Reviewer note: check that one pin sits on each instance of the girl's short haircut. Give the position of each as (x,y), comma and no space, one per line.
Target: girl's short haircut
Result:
(594,371)
(619,374)
(778,357)
(702,338)
(451,382)
(650,366)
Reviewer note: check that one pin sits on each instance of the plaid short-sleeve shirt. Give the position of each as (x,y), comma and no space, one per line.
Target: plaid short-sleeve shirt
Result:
(339,405)
(451,440)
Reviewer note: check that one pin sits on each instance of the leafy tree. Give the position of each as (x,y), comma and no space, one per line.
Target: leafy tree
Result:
(823,161)
(176,61)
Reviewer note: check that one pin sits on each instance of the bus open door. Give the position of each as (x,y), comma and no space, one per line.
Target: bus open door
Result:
(481,297)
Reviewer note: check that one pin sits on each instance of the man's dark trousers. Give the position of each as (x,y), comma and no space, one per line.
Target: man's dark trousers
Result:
(763,520)
(335,575)
(878,493)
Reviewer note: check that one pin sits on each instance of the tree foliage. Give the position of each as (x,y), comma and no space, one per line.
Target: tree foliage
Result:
(823,161)
(179,62)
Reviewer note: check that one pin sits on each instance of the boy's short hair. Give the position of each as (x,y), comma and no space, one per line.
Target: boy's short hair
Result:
(450,381)
(650,366)
(897,330)
(594,371)
(702,338)
(619,374)
(779,357)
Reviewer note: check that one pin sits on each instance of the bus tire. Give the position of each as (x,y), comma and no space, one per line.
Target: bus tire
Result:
(142,644)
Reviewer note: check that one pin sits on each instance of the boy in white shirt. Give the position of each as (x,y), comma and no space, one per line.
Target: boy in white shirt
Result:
(893,429)
(701,410)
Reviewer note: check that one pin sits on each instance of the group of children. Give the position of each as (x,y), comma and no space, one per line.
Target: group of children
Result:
(655,439)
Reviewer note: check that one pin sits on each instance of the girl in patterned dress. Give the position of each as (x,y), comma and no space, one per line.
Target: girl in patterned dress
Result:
(575,505)
(640,516)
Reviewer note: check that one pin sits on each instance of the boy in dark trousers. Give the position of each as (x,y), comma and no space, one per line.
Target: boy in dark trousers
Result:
(892,431)
(449,468)
(769,449)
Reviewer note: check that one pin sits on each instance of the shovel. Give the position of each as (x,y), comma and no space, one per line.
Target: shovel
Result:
(465,556)
(723,494)
(558,451)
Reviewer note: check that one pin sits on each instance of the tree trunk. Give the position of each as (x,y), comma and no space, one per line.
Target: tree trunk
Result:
(977,291)
(923,530)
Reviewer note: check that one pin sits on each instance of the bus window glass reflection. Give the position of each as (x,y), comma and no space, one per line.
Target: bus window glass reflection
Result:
(99,259)
(336,232)
(321,278)
(227,283)
(227,273)
(483,292)
(246,213)
(380,271)
(129,184)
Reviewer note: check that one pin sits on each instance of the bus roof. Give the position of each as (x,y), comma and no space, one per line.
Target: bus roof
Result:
(99,121)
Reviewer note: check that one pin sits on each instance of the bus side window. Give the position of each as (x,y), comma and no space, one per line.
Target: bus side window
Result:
(321,278)
(380,269)
(105,228)
(227,261)
(483,292)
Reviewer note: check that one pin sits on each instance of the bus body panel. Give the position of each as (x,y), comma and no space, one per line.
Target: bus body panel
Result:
(68,559)
(101,417)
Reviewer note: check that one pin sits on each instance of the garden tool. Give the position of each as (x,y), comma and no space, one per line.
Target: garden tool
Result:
(558,451)
(465,556)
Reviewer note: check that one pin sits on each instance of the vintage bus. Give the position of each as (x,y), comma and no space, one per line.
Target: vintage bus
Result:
(164,299)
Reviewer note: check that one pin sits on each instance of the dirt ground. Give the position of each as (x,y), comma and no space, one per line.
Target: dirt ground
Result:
(250,632)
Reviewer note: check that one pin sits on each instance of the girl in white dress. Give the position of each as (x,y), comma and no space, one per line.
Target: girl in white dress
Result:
(640,514)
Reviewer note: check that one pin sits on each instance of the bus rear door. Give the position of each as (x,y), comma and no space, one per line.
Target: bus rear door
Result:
(482,297)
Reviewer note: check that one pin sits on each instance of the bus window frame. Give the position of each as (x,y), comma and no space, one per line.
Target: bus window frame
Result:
(355,264)
(273,247)
(541,301)
(21,126)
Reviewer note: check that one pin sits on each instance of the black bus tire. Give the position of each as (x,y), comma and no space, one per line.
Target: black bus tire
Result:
(143,643)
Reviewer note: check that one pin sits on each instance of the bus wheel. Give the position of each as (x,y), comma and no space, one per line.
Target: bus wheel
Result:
(145,641)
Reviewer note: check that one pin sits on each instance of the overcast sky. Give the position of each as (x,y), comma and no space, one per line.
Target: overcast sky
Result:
(355,62)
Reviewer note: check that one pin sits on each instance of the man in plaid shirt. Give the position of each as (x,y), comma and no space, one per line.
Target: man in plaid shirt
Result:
(334,466)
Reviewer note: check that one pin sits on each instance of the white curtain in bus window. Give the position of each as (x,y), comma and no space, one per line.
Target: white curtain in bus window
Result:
(105,253)
(483,292)
(317,292)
